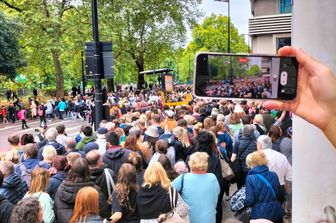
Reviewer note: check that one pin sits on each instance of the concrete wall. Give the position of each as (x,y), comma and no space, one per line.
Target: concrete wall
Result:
(314,159)
(266,43)
(265,7)
(262,44)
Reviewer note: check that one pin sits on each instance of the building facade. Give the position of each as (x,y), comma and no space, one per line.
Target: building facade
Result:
(270,26)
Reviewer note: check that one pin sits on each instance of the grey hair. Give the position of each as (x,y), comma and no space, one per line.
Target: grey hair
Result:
(70,143)
(220,118)
(6,167)
(248,130)
(51,134)
(110,126)
(265,142)
(135,131)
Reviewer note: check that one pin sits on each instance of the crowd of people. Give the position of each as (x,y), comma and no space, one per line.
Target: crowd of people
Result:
(247,87)
(78,107)
(148,161)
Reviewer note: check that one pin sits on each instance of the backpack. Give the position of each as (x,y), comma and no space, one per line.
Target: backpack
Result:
(40,112)
(21,115)
(26,173)
(170,140)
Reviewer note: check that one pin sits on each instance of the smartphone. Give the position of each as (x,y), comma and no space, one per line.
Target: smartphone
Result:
(245,76)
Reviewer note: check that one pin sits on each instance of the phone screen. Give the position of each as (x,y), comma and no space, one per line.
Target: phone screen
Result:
(245,76)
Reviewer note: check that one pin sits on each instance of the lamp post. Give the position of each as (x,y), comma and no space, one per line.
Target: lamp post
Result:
(83,73)
(98,116)
(229,31)
(229,37)
(189,74)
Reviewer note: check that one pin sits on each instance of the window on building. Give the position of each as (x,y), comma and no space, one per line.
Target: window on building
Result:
(281,42)
(285,6)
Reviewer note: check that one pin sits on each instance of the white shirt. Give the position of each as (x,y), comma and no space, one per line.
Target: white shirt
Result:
(278,163)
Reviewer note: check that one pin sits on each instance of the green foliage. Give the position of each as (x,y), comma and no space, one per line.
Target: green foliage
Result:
(210,36)
(254,70)
(146,34)
(148,31)
(143,33)
(10,57)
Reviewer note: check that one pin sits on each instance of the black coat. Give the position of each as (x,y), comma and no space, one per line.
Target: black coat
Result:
(152,202)
(115,157)
(6,208)
(97,176)
(181,152)
(243,147)
(66,197)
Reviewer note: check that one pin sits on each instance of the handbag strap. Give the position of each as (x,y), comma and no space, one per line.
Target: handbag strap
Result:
(268,184)
(172,197)
(182,183)
(109,181)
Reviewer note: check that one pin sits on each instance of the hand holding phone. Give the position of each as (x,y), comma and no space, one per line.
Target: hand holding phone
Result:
(316,94)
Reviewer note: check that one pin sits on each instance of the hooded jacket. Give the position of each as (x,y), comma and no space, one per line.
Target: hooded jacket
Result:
(152,201)
(65,199)
(54,182)
(97,176)
(260,197)
(6,208)
(30,164)
(84,141)
(13,188)
(115,157)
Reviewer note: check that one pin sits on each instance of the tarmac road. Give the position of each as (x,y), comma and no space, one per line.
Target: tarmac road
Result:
(72,129)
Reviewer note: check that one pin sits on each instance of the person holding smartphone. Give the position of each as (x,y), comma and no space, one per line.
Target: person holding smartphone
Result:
(316,90)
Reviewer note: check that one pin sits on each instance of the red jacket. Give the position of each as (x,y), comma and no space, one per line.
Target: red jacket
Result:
(3,112)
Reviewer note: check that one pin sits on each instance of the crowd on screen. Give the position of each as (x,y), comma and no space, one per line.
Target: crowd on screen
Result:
(248,87)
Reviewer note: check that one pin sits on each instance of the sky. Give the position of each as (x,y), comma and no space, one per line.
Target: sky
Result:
(240,12)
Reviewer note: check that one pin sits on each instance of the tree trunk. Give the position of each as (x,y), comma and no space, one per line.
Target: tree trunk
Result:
(141,78)
(110,85)
(59,74)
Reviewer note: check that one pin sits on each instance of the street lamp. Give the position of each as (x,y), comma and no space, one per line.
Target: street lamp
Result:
(229,36)
(229,31)
(98,98)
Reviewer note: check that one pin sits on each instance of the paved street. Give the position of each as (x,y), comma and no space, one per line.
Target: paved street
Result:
(72,128)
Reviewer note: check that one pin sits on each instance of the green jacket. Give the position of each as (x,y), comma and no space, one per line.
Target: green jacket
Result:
(84,141)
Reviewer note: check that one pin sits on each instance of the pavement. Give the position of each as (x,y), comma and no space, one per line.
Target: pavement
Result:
(72,129)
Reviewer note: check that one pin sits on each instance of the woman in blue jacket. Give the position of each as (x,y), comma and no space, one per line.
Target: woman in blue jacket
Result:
(261,189)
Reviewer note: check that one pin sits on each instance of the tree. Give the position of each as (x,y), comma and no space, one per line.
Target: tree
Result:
(10,57)
(211,36)
(147,29)
(48,34)
(254,70)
